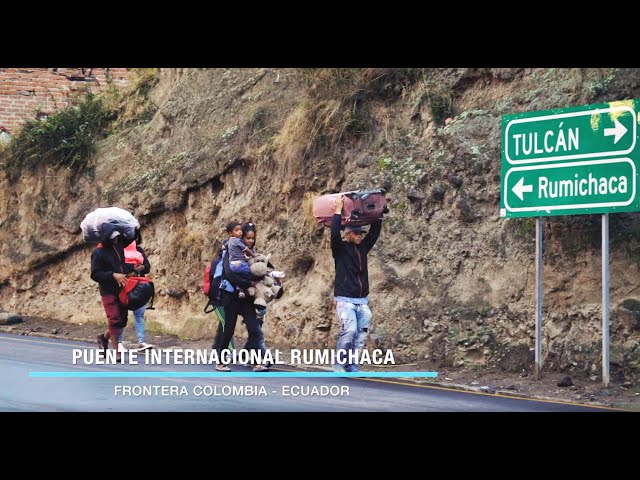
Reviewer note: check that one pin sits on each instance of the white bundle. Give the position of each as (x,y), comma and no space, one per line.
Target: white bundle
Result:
(98,225)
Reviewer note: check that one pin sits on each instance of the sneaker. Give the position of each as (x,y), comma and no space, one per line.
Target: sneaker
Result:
(121,347)
(352,368)
(260,368)
(144,346)
(103,343)
(222,368)
(339,368)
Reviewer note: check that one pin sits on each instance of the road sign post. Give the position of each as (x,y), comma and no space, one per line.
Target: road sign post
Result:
(605,299)
(538,352)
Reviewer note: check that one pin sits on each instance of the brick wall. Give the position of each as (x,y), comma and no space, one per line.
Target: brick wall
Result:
(24,91)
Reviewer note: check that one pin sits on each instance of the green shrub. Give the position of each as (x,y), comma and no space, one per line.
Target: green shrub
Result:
(403,173)
(65,137)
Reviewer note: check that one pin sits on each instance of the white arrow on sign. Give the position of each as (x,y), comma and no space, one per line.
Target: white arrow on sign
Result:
(520,188)
(619,130)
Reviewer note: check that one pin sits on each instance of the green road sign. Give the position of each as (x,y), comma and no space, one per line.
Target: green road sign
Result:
(570,161)
(571,186)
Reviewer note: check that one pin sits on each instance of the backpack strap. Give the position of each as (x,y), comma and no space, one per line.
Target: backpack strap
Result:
(207,306)
(150,302)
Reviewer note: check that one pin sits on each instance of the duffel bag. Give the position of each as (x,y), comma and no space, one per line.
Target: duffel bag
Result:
(137,293)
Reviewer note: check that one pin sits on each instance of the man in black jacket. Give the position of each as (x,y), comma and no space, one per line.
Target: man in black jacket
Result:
(351,287)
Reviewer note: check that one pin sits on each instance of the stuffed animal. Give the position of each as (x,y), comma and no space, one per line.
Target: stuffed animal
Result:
(267,288)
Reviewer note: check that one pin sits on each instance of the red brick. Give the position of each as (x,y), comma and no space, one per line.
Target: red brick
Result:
(49,90)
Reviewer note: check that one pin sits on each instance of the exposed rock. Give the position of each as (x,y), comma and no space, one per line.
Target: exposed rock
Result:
(463,210)
(629,311)
(176,293)
(9,318)
(437,192)
(455,180)
(565,382)
(415,195)
(365,161)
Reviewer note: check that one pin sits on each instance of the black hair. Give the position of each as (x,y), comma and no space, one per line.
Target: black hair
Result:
(231,226)
(138,238)
(249,227)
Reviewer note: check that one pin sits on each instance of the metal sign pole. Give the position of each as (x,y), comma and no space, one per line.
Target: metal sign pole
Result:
(538,366)
(605,299)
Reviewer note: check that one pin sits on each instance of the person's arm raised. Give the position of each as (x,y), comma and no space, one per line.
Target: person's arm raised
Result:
(336,239)
(372,237)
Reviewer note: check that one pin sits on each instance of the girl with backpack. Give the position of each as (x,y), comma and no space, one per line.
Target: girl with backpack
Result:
(243,306)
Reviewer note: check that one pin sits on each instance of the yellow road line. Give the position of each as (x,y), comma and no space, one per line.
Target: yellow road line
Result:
(458,390)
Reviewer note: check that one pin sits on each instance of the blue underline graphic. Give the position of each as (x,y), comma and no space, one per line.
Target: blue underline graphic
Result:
(233,374)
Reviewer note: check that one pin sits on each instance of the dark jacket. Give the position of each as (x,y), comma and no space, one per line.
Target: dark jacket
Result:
(105,261)
(352,276)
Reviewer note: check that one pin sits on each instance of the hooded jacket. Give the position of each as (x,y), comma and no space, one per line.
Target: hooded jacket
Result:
(106,260)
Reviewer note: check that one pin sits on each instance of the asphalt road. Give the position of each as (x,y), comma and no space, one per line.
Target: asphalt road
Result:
(19,356)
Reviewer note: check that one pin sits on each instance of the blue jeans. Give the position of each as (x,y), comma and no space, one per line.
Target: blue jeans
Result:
(354,329)
(260,317)
(139,320)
